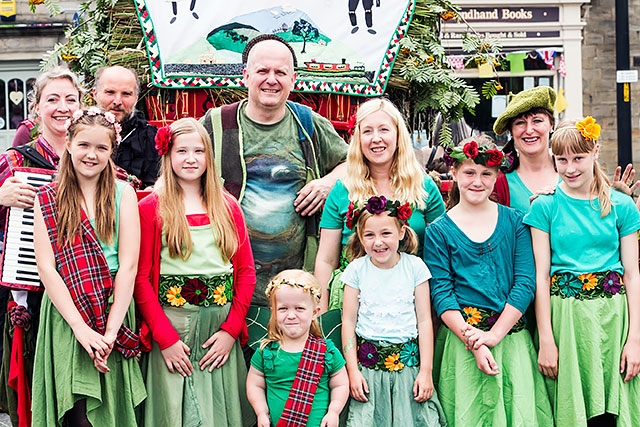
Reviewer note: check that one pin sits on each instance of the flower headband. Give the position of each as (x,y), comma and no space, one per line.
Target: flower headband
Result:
(95,111)
(588,128)
(163,139)
(480,154)
(377,205)
(274,284)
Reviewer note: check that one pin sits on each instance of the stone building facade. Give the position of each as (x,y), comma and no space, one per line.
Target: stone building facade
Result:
(23,43)
(599,75)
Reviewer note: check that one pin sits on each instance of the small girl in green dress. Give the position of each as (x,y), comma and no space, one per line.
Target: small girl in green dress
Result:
(297,378)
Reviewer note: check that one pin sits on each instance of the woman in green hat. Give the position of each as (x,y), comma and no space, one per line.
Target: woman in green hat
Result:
(529,117)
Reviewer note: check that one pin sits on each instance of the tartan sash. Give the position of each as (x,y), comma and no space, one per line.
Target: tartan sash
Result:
(298,405)
(84,269)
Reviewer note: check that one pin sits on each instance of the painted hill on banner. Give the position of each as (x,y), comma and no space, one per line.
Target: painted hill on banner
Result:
(294,26)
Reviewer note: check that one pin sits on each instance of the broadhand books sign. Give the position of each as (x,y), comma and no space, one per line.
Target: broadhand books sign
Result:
(199,43)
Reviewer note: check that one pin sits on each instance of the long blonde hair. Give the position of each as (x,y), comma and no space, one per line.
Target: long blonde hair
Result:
(69,197)
(170,195)
(296,279)
(567,138)
(407,176)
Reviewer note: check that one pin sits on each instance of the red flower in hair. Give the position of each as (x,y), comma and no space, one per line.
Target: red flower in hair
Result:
(351,124)
(404,212)
(470,149)
(494,158)
(163,138)
(352,215)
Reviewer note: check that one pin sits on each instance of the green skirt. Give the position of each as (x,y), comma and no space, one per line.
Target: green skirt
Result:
(515,397)
(391,403)
(590,335)
(213,399)
(64,374)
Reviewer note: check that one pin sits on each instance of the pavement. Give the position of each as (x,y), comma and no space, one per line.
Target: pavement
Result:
(4,420)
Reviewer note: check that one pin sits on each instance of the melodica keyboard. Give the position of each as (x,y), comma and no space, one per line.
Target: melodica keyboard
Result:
(19,270)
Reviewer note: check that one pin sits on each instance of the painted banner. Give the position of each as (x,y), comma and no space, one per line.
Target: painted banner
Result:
(342,46)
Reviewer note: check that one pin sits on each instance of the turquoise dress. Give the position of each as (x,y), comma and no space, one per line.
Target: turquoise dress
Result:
(519,194)
(590,328)
(64,373)
(478,279)
(334,217)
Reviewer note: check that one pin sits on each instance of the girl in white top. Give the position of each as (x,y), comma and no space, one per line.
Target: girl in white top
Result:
(386,326)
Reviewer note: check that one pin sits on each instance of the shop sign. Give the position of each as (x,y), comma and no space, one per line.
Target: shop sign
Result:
(510,14)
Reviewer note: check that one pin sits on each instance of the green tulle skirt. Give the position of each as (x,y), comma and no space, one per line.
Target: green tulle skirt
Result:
(515,397)
(590,335)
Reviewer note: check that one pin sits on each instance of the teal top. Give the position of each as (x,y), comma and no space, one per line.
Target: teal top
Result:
(519,194)
(111,251)
(335,208)
(279,368)
(481,274)
(580,240)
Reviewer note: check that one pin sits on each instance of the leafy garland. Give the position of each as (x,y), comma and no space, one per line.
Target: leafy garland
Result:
(421,83)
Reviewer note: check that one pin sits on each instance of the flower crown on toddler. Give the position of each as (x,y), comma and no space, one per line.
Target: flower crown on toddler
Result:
(376,205)
(95,111)
(274,284)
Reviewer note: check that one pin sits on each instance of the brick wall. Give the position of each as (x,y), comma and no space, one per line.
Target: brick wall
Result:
(599,76)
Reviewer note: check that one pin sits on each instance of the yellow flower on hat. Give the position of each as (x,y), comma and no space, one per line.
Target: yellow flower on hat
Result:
(588,128)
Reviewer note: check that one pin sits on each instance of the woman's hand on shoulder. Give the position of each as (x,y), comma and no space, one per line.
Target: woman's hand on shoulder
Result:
(423,387)
(358,387)
(15,193)
(176,357)
(540,191)
(220,345)
(485,361)
(630,359)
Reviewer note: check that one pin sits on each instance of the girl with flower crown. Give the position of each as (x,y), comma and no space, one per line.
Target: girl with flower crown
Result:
(483,281)
(588,287)
(87,238)
(194,284)
(380,161)
(297,378)
(387,334)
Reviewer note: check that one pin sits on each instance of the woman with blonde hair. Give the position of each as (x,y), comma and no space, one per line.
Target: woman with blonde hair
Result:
(380,161)
(194,284)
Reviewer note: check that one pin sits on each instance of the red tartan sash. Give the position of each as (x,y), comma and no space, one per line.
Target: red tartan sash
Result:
(298,405)
(84,269)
